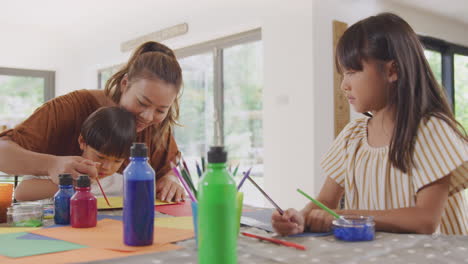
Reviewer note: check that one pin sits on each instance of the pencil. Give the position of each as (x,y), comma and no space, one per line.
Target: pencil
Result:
(276,241)
(199,172)
(174,169)
(319,204)
(235,170)
(203,163)
(243,179)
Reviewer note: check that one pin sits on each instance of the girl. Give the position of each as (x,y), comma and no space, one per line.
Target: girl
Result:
(406,163)
(147,86)
(106,137)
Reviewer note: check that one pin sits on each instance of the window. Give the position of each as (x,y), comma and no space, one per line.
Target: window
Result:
(105,74)
(222,104)
(449,62)
(22,92)
(461,89)
(435,61)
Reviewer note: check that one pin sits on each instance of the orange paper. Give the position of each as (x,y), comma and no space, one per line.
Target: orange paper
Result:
(108,234)
(81,255)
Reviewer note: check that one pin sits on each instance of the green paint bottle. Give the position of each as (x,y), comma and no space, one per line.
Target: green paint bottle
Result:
(217,221)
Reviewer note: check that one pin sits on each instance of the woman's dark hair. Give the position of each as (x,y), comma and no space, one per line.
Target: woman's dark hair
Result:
(110,130)
(153,61)
(416,96)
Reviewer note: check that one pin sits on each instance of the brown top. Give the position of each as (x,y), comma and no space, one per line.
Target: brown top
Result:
(55,126)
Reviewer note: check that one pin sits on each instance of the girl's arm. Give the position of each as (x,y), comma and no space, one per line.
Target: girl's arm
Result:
(423,218)
(35,189)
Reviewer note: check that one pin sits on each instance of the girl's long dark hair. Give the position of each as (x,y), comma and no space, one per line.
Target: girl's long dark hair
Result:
(417,95)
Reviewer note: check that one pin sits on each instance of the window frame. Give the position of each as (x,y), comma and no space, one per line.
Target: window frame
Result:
(448,51)
(48,76)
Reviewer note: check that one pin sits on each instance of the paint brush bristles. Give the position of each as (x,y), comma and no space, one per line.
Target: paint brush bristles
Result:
(176,172)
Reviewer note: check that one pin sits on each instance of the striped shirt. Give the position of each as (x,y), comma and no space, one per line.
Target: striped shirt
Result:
(372,183)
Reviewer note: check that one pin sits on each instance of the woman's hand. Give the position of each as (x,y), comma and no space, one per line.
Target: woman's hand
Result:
(290,223)
(168,189)
(319,220)
(74,165)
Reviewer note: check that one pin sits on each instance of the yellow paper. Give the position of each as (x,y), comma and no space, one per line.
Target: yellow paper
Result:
(183,222)
(7,230)
(117,203)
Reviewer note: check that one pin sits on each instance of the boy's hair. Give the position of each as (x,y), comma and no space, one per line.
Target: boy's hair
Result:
(110,130)
(417,96)
(151,61)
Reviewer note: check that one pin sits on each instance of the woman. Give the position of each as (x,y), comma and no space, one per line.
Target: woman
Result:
(148,86)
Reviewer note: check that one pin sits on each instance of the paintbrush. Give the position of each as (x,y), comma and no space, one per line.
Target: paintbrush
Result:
(102,191)
(266,196)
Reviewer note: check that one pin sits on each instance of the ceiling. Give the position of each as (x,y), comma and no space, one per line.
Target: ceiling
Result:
(452,9)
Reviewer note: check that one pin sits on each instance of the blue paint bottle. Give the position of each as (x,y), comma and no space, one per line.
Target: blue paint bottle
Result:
(62,199)
(138,210)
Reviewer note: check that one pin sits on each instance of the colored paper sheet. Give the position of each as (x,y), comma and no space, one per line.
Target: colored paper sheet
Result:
(32,236)
(261,218)
(181,209)
(14,248)
(108,234)
(81,255)
(183,222)
(117,203)
(7,230)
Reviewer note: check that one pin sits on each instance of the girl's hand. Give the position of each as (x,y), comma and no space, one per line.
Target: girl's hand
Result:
(319,220)
(74,165)
(290,223)
(168,189)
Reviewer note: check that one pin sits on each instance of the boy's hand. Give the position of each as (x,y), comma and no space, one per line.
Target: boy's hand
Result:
(168,189)
(319,220)
(74,165)
(290,223)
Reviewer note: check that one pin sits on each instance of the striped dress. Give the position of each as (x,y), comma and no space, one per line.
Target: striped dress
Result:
(372,183)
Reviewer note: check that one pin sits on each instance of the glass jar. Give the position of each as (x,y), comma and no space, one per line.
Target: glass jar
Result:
(354,228)
(25,215)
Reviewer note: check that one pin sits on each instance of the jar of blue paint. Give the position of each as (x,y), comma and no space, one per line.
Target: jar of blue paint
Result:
(354,228)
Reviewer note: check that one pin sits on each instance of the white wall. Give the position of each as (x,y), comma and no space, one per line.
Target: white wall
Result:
(36,48)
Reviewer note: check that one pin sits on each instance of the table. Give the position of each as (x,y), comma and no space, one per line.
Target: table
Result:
(386,248)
